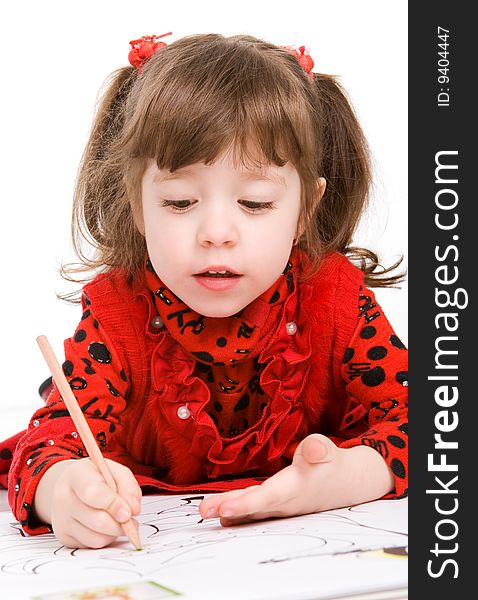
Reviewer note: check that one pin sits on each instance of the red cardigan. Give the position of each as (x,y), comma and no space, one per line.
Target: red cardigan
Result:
(343,374)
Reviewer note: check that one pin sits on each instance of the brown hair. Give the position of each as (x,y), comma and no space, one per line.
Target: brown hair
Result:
(199,97)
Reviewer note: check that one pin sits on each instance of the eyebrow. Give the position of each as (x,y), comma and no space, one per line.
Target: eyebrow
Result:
(187,172)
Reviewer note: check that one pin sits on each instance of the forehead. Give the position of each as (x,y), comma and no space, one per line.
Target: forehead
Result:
(266,173)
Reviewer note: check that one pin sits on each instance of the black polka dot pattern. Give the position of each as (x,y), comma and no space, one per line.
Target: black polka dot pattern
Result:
(398,468)
(395,341)
(80,335)
(99,352)
(402,377)
(374,377)
(377,353)
(396,441)
(368,332)
(204,356)
(373,363)
(68,368)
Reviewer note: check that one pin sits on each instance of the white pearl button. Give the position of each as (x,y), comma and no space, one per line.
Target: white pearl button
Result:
(74,434)
(291,328)
(36,423)
(184,412)
(29,461)
(17,487)
(157,322)
(51,442)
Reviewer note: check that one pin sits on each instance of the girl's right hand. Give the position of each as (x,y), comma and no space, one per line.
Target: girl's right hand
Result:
(84,511)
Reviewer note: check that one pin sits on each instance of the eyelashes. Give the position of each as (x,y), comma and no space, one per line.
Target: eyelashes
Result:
(256,206)
(179,206)
(175,205)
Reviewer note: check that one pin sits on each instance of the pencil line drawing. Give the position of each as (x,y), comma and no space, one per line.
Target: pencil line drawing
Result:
(174,540)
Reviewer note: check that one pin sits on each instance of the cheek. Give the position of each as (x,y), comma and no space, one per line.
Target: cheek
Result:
(167,245)
(283,228)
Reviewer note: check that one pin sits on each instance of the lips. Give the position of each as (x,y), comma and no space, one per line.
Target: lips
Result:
(218,271)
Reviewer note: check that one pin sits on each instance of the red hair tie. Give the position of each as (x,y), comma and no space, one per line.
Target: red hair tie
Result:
(144,48)
(304,58)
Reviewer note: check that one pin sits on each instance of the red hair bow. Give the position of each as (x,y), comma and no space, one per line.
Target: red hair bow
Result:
(144,48)
(304,58)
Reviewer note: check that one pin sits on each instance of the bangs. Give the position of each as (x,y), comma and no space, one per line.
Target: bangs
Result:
(229,97)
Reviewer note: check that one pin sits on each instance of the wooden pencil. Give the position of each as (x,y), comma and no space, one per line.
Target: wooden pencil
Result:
(83,429)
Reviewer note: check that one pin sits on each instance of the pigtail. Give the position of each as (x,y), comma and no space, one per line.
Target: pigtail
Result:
(101,209)
(347,168)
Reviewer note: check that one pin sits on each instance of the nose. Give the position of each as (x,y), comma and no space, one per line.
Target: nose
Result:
(218,227)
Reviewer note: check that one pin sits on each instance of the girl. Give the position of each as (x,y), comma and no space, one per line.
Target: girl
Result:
(227,342)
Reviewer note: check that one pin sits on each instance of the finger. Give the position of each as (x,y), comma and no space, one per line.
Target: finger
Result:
(97,494)
(87,537)
(252,518)
(315,448)
(208,509)
(127,486)
(68,540)
(256,502)
(98,520)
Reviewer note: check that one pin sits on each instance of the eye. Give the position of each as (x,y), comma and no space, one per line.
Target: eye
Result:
(177,205)
(256,206)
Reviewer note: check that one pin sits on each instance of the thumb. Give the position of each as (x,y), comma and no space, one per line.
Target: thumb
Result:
(119,509)
(97,494)
(315,448)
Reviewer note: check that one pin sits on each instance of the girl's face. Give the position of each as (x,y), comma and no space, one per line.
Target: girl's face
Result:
(201,217)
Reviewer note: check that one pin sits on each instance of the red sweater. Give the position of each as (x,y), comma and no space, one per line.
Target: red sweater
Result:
(343,373)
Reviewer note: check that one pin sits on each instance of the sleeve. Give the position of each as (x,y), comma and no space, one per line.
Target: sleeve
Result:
(99,380)
(375,372)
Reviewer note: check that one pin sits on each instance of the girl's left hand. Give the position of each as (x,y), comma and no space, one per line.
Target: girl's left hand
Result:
(314,482)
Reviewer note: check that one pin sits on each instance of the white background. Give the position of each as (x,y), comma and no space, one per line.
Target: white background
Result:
(55,57)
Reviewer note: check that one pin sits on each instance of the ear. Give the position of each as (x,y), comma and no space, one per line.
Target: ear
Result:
(321,185)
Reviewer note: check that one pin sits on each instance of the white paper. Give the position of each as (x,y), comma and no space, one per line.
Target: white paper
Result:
(324,555)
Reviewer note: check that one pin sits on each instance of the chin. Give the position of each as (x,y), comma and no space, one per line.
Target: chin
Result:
(217,312)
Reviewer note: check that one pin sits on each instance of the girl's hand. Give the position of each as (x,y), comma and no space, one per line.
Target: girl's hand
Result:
(84,511)
(321,477)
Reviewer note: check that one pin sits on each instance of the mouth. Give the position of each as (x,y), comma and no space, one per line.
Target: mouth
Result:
(218,272)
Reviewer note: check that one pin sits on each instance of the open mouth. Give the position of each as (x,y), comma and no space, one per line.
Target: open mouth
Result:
(227,274)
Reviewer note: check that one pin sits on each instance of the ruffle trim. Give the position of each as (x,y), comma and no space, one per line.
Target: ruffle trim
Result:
(282,379)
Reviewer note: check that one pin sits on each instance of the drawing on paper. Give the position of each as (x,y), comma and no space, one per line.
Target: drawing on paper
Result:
(174,541)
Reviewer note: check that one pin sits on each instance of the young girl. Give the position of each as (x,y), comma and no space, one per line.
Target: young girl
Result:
(227,342)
